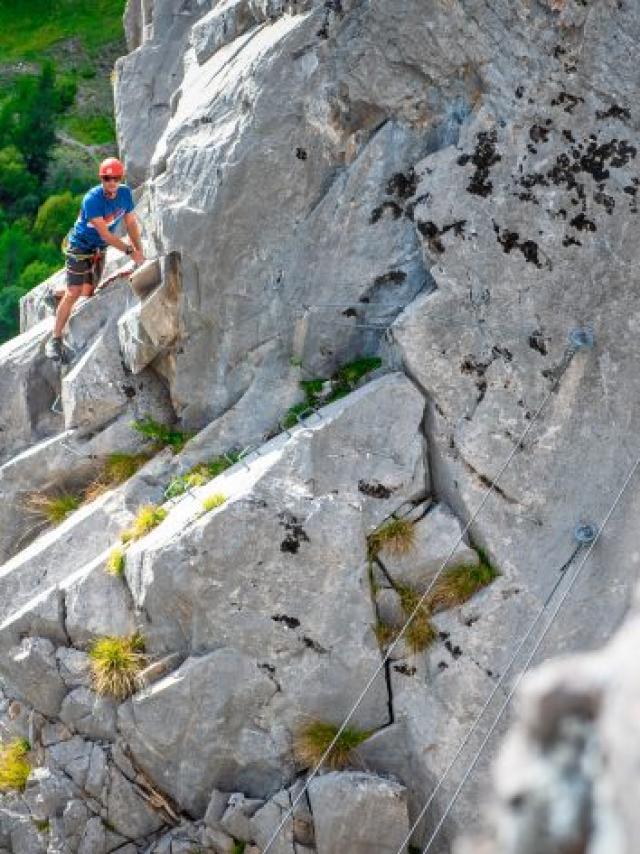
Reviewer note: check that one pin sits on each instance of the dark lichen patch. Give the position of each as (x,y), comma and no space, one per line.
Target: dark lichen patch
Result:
(405,669)
(566,133)
(567,101)
(295,533)
(453,649)
(583,223)
(374,489)
(350,312)
(432,233)
(289,622)
(393,277)
(537,342)
(390,206)
(607,202)
(614,112)
(510,240)
(483,158)
(539,134)
(519,92)
(569,240)
(314,645)
(301,154)
(403,186)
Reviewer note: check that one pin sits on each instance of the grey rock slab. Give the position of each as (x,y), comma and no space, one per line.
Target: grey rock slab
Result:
(266,822)
(389,608)
(218,803)
(89,714)
(73,757)
(127,812)
(97,604)
(93,839)
(56,554)
(74,666)
(358,811)
(65,462)
(438,544)
(151,326)
(236,819)
(75,816)
(31,667)
(97,775)
(186,752)
(98,388)
(29,387)
(46,793)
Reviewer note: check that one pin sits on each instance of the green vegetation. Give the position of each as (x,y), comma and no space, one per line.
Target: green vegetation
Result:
(453,587)
(42,826)
(53,509)
(55,95)
(14,765)
(312,742)
(116,562)
(117,469)
(91,130)
(395,535)
(161,435)
(36,26)
(115,665)
(320,392)
(147,518)
(457,585)
(201,474)
(421,632)
(238,847)
(213,501)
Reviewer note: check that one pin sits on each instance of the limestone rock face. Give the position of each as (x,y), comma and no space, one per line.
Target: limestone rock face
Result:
(450,185)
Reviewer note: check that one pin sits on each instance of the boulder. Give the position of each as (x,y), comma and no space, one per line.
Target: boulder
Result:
(187,753)
(358,811)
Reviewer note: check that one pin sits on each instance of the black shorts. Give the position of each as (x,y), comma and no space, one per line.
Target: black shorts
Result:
(83,269)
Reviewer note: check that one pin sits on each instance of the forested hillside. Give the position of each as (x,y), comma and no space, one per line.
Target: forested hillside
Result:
(56,123)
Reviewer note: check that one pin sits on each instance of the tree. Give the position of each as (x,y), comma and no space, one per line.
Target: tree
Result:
(34,133)
(56,216)
(16,182)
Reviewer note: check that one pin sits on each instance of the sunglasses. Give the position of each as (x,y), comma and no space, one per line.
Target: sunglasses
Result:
(111,179)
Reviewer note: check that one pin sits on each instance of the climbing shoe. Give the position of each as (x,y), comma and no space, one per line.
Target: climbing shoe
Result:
(54,349)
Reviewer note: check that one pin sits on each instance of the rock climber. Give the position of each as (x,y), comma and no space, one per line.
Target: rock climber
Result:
(102,209)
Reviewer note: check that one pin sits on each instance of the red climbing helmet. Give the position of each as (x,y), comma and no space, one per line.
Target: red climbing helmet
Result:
(111,168)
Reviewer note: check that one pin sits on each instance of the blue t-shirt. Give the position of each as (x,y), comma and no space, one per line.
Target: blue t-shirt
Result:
(83,235)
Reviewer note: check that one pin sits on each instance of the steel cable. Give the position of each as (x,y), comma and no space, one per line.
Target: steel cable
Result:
(387,657)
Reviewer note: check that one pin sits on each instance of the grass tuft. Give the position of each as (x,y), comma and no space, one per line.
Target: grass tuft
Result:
(53,509)
(148,517)
(320,391)
(385,634)
(201,474)
(213,501)
(161,435)
(115,665)
(421,632)
(396,536)
(116,562)
(313,740)
(458,584)
(117,469)
(14,765)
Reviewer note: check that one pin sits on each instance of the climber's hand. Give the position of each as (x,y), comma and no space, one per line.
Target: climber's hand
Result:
(137,256)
